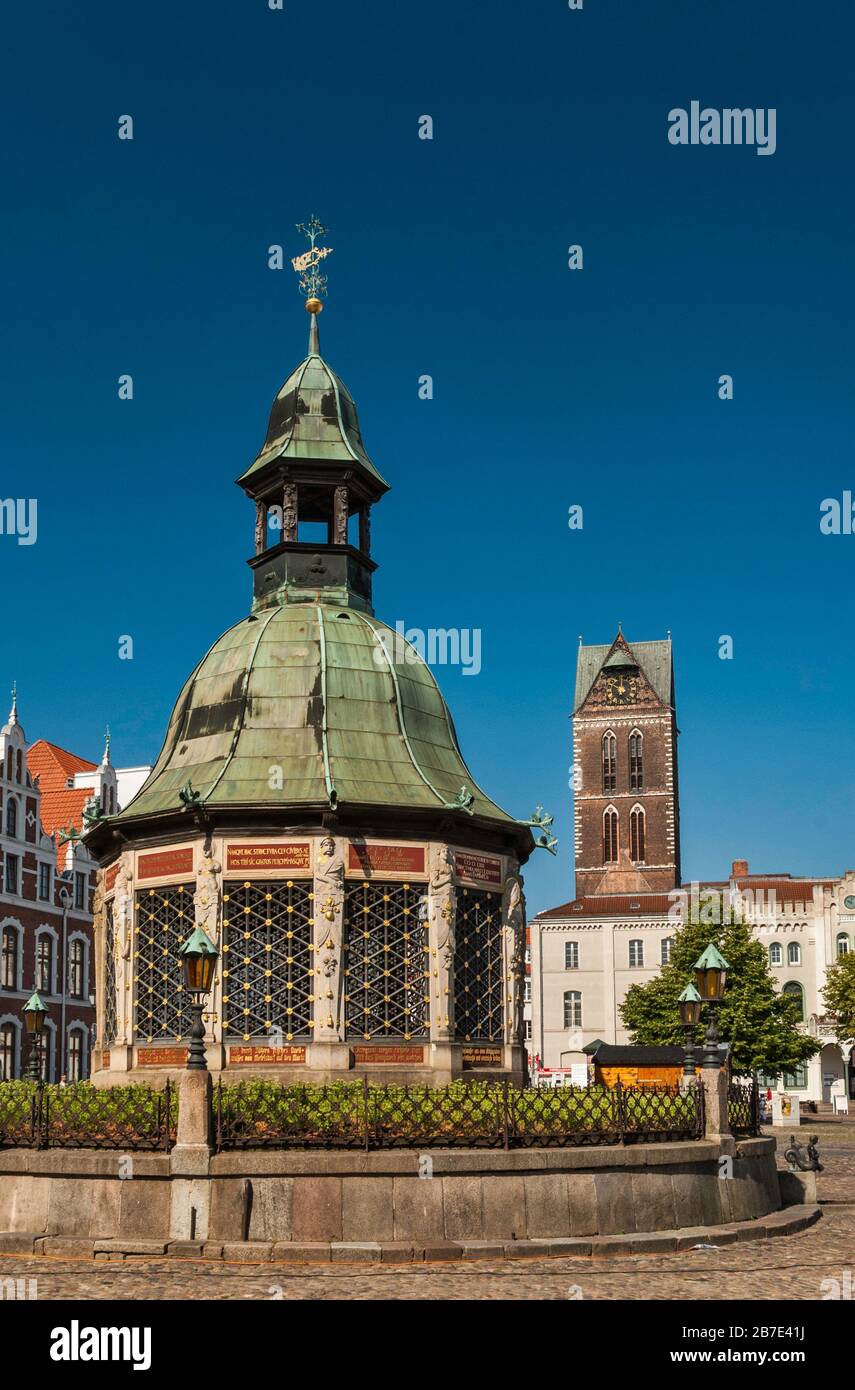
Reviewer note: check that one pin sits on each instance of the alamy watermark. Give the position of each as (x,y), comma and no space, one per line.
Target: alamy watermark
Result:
(437,646)
(730,126)
(19,516)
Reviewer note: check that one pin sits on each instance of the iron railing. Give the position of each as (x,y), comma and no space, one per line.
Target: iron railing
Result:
(463,1115)
(37,1116)
(743,1108)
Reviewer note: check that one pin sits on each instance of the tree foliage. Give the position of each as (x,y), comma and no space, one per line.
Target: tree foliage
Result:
(839,996)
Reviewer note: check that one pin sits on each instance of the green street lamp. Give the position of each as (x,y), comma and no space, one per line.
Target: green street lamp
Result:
(198,959)
(689,1005)
(710,974)
(35,1012)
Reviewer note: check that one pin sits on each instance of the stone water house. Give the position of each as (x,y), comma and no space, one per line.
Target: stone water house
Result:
(311,809)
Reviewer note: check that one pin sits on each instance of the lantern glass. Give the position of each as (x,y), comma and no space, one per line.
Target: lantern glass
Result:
(690,1012)
(35,1020)
(710,983)
(198,972)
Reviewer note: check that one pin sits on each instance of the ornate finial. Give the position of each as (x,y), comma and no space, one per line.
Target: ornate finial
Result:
(543,822)
(106,758)
(669,634)
(620,628)
(580,639)
(312,283)
(13,713)
(188,796)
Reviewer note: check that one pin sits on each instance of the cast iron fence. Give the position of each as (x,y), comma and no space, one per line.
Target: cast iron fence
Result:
(743,1108)
(463,1115)
(37,1116)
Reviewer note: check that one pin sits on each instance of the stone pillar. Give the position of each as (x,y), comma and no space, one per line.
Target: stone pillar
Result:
(715,1084)
(328,1034)
(260,528)
(121,1050)
(339,536)
(442,912)
(290,515)
(207,914)
(513,946)
(190,1159)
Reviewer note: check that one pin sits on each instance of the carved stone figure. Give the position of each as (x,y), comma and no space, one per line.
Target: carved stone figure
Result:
(340,516)
(206,899)
(289,512)
(329,869)
(513,916)
(329,895)
(123,906)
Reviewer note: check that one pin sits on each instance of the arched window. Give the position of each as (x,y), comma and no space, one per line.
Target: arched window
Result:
(77,967)
(20,767)
(44,963)
(636,761)
(9,757)
(9,1041)
(776,954)
(572,1009)
(610,836)
(636,955)
(11,817)
(609,762)
(636,834)
(665,948)
(794,953)
(77,1053)
(842,944)
(9,959)
(793,988)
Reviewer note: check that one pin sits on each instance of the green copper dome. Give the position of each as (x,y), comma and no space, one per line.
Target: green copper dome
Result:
(304,704)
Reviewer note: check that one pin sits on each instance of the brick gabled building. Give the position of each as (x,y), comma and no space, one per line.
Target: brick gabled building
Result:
(47,882)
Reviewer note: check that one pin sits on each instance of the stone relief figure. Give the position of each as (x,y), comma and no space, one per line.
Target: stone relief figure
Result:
(206,899)
(289,512)
(123,906)
(340,516)
(513,916)
(443,905)
(329,900)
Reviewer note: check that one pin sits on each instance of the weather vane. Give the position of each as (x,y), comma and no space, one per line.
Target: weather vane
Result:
(312,283)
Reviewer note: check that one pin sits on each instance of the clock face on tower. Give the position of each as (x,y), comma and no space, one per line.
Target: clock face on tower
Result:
(621,690)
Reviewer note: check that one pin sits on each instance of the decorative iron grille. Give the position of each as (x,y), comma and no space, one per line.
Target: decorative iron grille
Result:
(462,1115)
(110,1001)
(268,981)
(33,1115)
(743,1108)
(164,921)
(478,968)
(386,971)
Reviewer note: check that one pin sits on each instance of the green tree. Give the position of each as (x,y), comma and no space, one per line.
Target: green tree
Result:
(756,1020)
(839,996)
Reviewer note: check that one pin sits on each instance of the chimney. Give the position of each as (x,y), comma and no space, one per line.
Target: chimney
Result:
(739,868)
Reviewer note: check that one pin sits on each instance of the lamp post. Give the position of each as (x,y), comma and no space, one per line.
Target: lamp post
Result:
(689,1005)
(710,973)
(35,1012)
(198,959)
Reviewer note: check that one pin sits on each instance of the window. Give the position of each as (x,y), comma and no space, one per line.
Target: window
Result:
(76,968)
(843,944)
(8,1039)
(19,766)
(572,1009)
(12,817)
(609,763)
(528,1030)
(636,955)
(75,1056)
(80,891)
(796,1080)
(9,959)
(44,964)
(776,954)
(571,955)
(610,836)
(636,762)
(794,953)
(665,948)
(12,873)
(794,989)
(636,835)
(44,882)
(527,992)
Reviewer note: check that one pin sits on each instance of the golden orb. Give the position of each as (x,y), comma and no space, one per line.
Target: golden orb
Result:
(313,306)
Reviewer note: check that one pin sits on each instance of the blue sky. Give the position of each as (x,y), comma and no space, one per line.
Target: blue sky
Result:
(552,387)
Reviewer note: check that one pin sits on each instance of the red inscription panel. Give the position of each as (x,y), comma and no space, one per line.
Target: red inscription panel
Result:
(482,1056)
(162,1057)
(386,859)
(105,1060)
(366,1055)
(110,877)
(282,856)
(478,868)
(261,1056)
(164,863)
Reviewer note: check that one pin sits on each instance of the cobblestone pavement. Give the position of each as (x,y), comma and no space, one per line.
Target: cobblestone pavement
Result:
(786,1268)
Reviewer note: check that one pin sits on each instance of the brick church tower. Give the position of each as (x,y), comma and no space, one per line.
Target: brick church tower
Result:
(625,769)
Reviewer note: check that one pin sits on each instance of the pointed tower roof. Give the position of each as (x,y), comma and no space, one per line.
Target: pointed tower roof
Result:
(652,658)
(313,420)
